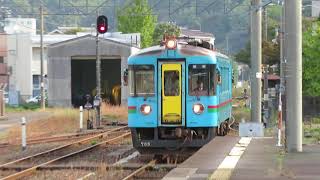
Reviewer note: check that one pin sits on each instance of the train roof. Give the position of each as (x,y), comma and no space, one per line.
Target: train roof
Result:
(184,49)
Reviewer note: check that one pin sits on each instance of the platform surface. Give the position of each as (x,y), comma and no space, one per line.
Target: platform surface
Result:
(205,161)
(261,159)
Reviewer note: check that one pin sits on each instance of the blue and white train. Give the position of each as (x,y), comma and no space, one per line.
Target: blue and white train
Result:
(180,94)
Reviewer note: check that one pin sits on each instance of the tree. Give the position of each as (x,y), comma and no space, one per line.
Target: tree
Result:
(311,60)
(138,17)
(270,53)
(167,29)
(244,55)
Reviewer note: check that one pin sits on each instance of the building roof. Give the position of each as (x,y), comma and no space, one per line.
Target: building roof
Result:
(113,40)
(132,40)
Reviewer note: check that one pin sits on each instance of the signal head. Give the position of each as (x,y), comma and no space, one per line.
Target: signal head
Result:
(102,24)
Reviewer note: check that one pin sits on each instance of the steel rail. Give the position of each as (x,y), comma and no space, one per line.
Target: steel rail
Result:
(31,170)
(52,139)
(140,170)
(127,166)
(64,138)
(63,146)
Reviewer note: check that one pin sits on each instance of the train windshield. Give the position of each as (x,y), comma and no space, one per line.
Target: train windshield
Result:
(141,80)
(201,79)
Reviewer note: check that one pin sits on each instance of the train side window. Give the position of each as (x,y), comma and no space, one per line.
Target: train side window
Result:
(212,80)
(131,80)
(219,80)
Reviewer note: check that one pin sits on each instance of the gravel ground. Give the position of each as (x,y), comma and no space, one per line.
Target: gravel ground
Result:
(15,152)
(58,174)
(99,156)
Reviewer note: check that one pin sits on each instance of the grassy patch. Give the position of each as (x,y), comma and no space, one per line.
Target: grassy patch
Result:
(311,133)
(23,107)
(61,121)
(3,135)
(240,113)
(315,120)
(93,142)
(238,92)
(114,112)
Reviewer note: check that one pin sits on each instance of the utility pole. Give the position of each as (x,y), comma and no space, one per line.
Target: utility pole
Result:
(98,76)
(227,43)
(266,95)
(256,51)
(170,10)
(43,102)
(265,14)
(294,74)
(282,101)
(114,16)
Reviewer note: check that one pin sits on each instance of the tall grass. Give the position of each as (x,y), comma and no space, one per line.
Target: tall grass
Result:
(241,113)
(238,92)
(114,112)
(61,121)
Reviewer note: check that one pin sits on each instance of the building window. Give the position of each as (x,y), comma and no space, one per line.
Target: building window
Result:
(36,82)
(1,59)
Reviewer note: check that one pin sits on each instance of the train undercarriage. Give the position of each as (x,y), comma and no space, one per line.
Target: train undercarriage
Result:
(175,138)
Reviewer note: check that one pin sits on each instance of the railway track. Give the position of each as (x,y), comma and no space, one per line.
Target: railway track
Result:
(52,139)
(164,163)
(45,158)
(140,170)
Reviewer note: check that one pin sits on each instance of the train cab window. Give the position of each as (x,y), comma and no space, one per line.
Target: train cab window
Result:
(198,80)
(171,83)
(201,80)
(141,80)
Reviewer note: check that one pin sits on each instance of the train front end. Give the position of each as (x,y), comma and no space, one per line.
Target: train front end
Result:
(172,96)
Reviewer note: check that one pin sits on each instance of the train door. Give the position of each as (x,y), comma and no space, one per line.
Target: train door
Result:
(172,90)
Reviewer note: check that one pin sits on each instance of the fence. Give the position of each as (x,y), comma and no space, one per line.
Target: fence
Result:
(311,106)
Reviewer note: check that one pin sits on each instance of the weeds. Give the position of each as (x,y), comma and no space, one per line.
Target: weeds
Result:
(23,107)
(61,121)
(110,112)
(93,142)
(240,113)
(312,132)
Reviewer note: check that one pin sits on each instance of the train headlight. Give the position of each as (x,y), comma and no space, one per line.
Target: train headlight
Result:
(198,108)
(145,109)
(171,44)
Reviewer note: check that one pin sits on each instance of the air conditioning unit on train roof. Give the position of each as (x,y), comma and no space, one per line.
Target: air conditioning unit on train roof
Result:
(198,34)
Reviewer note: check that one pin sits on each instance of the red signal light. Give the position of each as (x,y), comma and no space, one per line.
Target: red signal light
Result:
(102,24)
(102,28)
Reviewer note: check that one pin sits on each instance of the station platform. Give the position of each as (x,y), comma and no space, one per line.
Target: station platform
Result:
(248,158)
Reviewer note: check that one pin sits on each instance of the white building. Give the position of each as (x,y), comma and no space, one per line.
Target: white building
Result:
(315,8)
(23,54)
(20,25)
